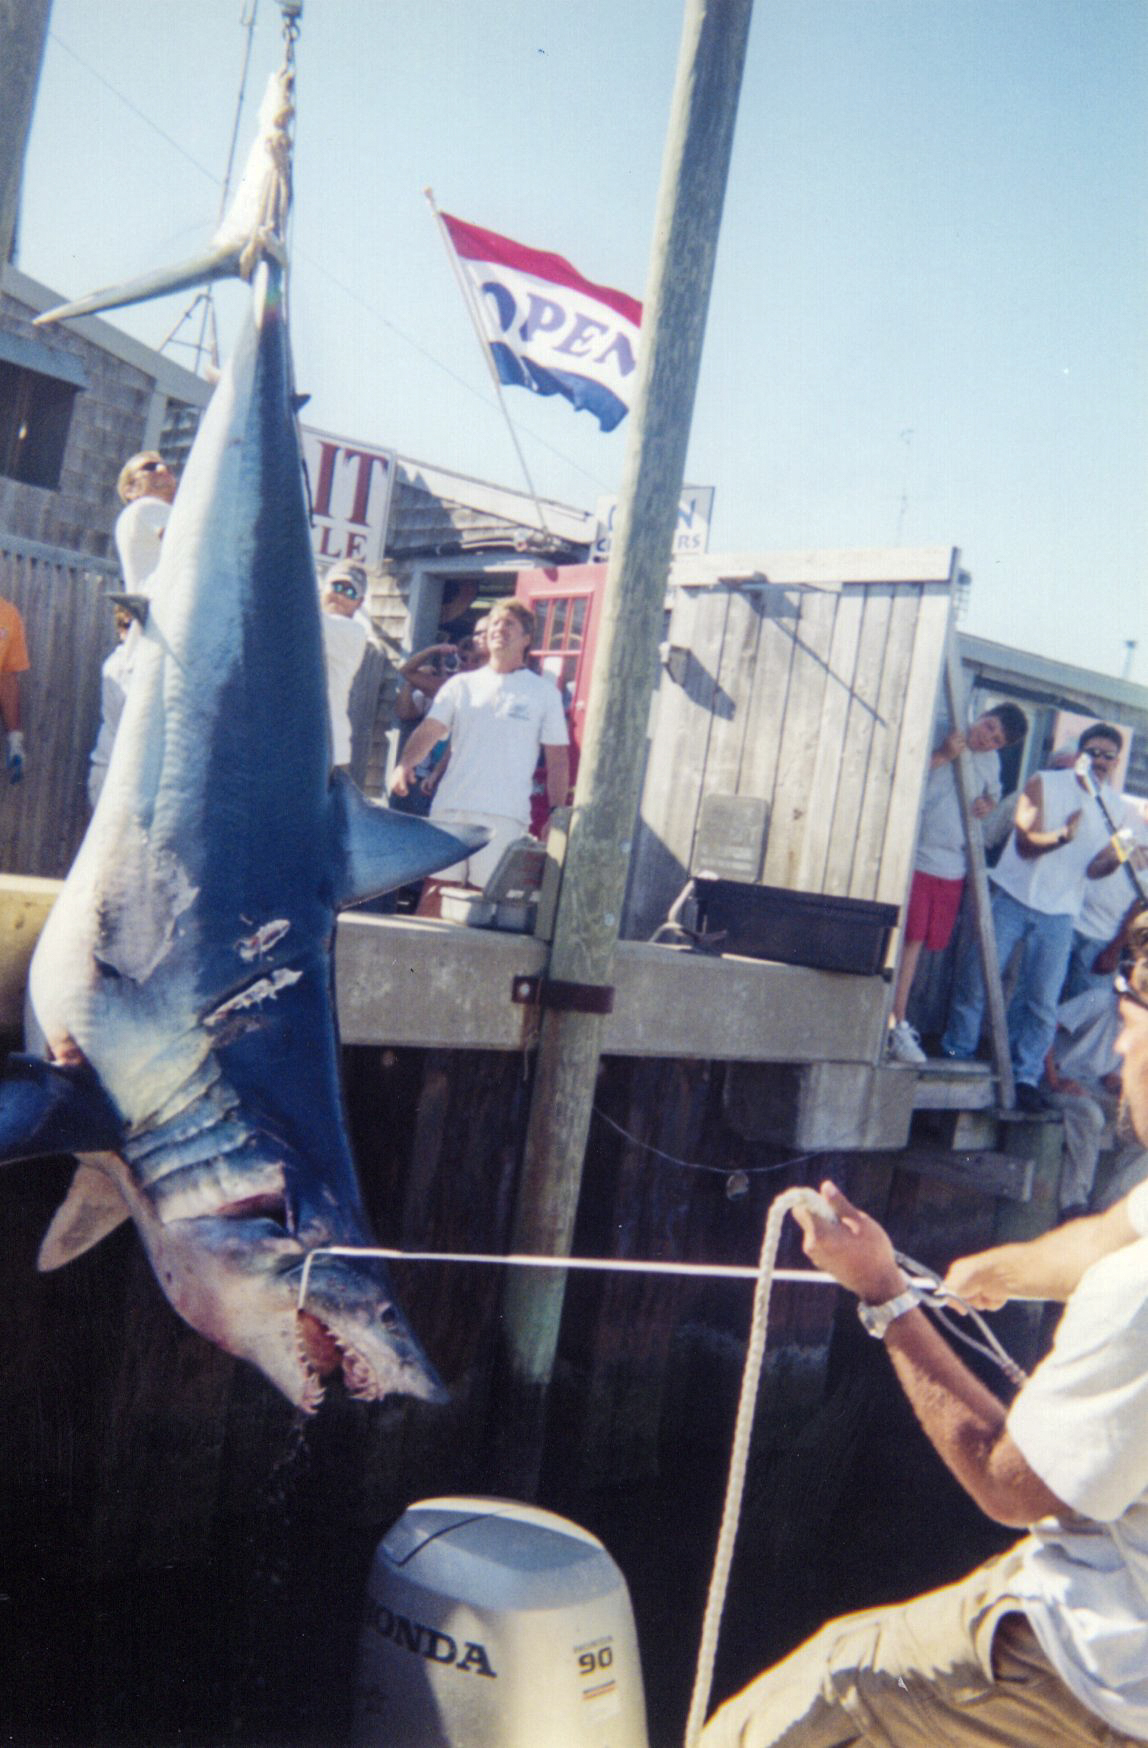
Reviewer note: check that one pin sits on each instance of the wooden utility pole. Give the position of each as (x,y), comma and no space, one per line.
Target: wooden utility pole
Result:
(23,32)
(577,993)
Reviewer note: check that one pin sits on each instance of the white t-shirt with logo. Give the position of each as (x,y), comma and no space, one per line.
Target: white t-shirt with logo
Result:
(498,723)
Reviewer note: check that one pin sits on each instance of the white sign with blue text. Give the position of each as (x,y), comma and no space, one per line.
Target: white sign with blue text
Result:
(691,530)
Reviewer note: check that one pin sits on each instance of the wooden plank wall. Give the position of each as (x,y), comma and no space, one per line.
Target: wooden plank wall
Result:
(818,701)
(68,623)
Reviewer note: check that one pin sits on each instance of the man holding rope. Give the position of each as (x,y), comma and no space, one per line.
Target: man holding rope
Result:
(1045,1646)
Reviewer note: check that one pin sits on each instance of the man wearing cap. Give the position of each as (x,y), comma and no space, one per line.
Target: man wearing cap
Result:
(345,638)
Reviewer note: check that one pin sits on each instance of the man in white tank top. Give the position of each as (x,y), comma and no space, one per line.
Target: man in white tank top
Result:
(1060,841)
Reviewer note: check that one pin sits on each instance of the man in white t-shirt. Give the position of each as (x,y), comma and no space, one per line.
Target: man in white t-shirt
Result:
(345,638)
(146,487)
(1045,1646)
(497,718)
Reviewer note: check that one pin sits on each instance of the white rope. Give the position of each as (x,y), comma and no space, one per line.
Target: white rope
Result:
(765,1275)
(717,1271)
(739,1458)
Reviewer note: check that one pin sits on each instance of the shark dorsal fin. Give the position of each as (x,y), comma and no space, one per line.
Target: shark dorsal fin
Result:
(377,848)
(93,1207)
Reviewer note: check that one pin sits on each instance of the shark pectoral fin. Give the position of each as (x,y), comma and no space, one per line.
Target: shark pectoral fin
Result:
(45,1108)
(93,1207)
(377,848)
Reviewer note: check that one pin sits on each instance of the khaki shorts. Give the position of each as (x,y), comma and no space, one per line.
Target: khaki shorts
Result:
(956,1668)
(476,870)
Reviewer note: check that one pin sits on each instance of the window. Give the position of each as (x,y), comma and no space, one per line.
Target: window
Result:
(180,424)
(35,417)
(560,625)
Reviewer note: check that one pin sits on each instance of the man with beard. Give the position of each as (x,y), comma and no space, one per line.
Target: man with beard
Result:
(1046,1644)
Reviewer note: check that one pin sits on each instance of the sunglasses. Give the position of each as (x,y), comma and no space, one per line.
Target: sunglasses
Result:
(347,589)
(152,467)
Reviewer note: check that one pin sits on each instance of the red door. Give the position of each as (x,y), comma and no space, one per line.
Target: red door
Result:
(566,603)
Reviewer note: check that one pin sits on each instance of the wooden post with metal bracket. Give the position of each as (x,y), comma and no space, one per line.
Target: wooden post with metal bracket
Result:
(694,171)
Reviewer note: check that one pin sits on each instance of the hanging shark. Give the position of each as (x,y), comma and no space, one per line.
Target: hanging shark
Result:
(183,984)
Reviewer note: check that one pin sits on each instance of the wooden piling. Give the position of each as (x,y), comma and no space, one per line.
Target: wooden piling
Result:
(695,167)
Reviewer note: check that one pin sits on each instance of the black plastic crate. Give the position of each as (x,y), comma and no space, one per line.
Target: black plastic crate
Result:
(797,928)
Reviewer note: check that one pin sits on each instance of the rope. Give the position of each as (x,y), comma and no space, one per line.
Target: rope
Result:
(928,1284)
(715,1271)
(739,1460)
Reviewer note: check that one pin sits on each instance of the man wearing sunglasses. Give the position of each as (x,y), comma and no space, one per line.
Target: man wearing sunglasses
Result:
(1045,1646)
(146,487)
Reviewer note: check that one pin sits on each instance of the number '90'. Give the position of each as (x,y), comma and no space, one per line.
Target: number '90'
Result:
(589,1661)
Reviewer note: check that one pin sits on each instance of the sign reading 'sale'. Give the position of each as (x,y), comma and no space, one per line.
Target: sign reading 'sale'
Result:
(351,485)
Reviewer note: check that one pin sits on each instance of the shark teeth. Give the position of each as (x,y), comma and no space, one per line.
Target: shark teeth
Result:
(322,1354)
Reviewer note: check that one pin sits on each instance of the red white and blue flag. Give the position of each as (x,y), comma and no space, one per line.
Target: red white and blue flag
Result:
(548,329)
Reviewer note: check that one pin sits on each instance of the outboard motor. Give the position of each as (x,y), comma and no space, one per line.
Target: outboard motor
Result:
(491,1624)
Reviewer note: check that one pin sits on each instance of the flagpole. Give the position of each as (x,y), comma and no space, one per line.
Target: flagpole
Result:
(468,298)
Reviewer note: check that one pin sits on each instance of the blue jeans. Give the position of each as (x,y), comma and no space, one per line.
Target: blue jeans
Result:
(1047,942)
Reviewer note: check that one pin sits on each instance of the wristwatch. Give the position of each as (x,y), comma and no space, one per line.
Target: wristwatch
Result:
(875,1319)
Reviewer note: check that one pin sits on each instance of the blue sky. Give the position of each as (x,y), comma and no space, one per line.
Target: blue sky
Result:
(930,314)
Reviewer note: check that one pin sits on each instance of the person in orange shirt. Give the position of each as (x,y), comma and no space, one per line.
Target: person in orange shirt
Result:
(13,662)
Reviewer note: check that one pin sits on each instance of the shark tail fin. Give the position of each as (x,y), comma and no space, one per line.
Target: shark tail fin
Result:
(254,224)
(45,1108)
(215,263)
(377,848)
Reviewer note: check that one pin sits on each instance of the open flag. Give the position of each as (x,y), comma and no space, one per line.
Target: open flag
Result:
(548,329)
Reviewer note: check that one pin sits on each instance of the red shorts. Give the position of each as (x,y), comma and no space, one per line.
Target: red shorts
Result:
(933,906)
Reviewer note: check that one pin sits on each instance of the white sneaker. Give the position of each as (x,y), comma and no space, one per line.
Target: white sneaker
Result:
(904,1044)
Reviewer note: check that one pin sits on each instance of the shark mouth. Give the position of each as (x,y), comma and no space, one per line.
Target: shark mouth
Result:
(322,1355)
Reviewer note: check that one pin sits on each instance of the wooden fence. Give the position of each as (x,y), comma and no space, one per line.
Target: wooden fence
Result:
(63,599)
(812,698)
